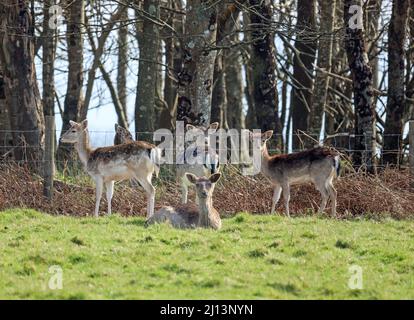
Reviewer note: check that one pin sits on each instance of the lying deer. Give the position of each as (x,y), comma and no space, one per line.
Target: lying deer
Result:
(318,165)
(105,165)
(191,216)
(210,165)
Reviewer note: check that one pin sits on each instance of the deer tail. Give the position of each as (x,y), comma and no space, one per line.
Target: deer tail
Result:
(337,165)
(155,156)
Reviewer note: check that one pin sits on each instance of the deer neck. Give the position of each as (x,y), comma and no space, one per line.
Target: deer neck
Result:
(265,157)
(83,148)
(205,207)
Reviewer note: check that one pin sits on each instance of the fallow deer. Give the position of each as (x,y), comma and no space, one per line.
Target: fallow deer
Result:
(318,165)
(122,135)
(108,164)
(210,165)
(191,216)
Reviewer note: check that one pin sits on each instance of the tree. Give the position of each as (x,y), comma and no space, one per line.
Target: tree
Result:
(173,58)
(20,85)
(74,99)
(48,61)
(149,42)
(196,77)
(325,47)
(5,138)
(234,86)
(365,129)
(396,103)
(121,79)
(303,68)
(263,62)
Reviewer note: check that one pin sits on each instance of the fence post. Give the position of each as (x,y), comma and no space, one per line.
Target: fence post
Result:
(411,150)
(49,163)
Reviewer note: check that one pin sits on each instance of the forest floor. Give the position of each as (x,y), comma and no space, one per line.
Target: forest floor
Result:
(252,257)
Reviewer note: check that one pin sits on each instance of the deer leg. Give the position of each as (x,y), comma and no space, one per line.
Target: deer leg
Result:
(149,188)
(276,196)
(333,194)
(324,194)
(109,193)
(184,190)
(99,187)
(286,197)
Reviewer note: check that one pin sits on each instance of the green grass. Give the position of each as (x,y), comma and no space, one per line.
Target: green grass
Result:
(257,257)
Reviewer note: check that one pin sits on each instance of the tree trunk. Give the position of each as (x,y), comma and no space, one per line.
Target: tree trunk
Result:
(303,69)
(325,44)
(234,88)
(149,42)
(74,95)
(219,99)
(365,129)
(263,62)
(49,52)
(196,77)
(20,84)
(121,79)
(394,122)
(174,61)
(251,121)
(6,140)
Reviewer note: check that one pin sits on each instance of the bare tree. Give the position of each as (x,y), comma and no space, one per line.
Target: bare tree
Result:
(234,86)
(196,77)
(49,52)
(149,42)
(325,45)
(303,67)
(396,103)
(74,99)
(263,62)
(19,75)
(365,129)
(121,79)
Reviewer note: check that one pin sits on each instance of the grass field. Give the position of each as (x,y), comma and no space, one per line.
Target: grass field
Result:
(258,257)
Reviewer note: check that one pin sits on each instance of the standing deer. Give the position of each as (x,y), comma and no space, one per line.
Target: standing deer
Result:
(191,216)
(105,165)
(318,165)
(122,135)
(210,166)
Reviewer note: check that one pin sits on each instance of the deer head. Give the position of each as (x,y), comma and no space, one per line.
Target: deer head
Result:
(202,130)
(74,134)
(204,186)
(264,137)
(122,135)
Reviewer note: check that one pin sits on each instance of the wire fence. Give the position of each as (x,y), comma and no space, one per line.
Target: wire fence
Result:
(14,149)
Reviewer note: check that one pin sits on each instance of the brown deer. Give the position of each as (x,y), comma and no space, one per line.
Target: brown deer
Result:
(210,166)
(105,165)
(318,165)
(191,216)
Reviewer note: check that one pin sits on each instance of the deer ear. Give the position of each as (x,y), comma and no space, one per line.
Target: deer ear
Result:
(268,134)
(84,124)
(213,126)
(72,123)
(189,127)
(191,177)
(215,177)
